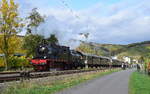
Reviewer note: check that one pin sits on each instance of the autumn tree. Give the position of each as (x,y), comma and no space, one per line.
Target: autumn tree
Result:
(10,25)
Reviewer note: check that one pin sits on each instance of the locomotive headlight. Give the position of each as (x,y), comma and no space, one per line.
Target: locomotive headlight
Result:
(43,48)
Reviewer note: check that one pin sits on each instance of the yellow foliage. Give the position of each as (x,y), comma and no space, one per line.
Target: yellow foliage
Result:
(1,62)
(10,26)
(15,44)
(19,62)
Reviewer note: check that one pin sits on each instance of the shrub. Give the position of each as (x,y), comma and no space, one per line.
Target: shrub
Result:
(1,62)
(18,62)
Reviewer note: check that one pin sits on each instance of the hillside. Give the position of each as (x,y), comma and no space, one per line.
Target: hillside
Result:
(134,49)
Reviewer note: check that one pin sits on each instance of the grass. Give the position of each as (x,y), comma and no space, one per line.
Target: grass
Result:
(52,87)
(139,83)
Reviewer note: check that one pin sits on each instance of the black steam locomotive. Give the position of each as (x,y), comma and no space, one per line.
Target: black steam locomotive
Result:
(55,57)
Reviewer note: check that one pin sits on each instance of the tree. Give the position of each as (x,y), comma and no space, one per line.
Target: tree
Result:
(10,25)
(52,39)
(35,19)
(32,40)
(30,43)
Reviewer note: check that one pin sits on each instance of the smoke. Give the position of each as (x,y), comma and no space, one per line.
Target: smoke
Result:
(67,33)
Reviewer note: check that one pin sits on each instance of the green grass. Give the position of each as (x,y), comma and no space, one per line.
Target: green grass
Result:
(50,88)
(139,83)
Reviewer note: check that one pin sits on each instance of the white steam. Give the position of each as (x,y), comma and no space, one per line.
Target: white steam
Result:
(68,33)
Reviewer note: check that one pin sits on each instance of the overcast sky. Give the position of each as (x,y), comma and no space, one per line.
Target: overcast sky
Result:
(107,21)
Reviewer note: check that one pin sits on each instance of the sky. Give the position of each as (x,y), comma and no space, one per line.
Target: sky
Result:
(106,21)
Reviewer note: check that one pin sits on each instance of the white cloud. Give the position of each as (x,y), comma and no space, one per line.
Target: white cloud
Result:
(120,23)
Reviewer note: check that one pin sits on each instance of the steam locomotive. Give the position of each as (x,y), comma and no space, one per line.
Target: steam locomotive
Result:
(50,56)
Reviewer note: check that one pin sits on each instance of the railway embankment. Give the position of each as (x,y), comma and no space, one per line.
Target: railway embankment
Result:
(50,85)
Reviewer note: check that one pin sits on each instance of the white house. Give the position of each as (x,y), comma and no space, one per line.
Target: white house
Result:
(114,57)
(127,59)
(135,61)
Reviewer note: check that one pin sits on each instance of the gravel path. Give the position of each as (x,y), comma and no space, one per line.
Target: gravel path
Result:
(115,83)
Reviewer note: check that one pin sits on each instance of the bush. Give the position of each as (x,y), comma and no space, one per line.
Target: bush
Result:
(15,62)
(18,62)
(1,62)
(2,68)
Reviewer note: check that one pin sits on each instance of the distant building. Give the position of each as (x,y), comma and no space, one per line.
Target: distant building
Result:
(20,36)
(127,59)
(2,55)
(135,61)
(114,57)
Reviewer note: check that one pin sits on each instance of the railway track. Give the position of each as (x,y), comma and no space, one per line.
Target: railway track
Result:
(16,76)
